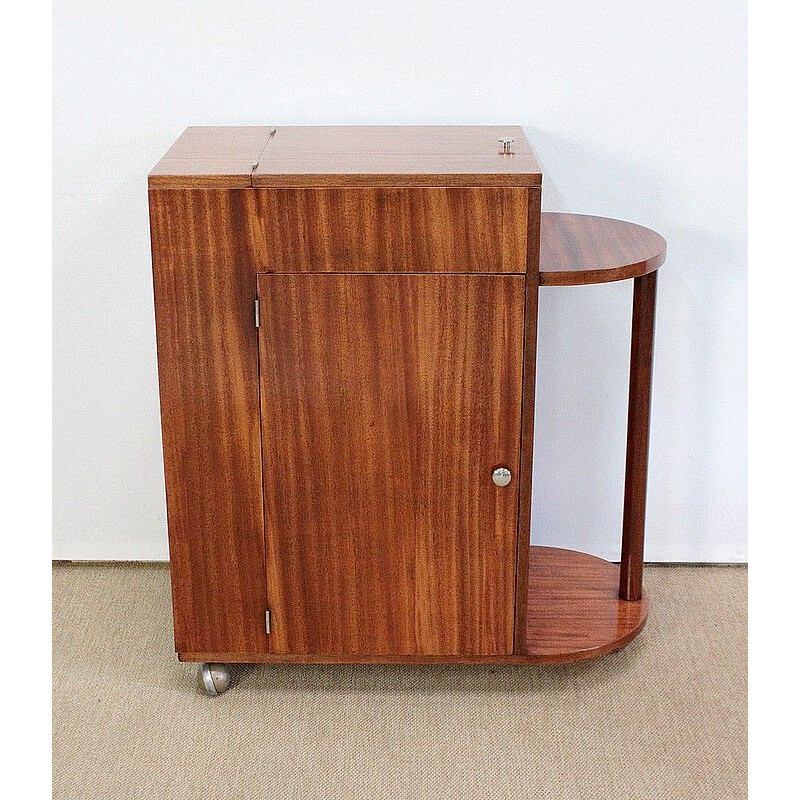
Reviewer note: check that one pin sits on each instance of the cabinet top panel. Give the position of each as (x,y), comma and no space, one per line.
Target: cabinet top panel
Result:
(433,155)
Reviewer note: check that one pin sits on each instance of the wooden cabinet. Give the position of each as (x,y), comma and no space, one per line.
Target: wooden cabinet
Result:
(346,328)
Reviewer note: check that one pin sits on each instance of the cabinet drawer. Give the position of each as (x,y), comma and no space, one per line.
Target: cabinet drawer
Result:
(379,229)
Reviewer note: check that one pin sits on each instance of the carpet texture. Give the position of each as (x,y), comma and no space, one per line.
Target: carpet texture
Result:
(665,718)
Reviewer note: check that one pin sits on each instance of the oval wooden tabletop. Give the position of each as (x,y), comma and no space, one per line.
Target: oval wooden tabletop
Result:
(579,248)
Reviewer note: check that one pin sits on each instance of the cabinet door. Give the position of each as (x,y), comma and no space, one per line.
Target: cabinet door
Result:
(387,401)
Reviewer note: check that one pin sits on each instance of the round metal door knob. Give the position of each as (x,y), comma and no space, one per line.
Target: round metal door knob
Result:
(501,476)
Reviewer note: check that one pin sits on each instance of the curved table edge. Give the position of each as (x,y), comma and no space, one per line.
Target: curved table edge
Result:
(649,262)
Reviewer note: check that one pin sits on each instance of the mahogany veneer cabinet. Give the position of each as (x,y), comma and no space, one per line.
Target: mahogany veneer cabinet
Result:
(346,327)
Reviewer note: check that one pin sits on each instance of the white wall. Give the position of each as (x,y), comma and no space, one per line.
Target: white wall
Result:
(636,109)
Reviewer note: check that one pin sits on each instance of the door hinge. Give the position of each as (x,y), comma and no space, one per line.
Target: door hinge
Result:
(267,624)
(258,313)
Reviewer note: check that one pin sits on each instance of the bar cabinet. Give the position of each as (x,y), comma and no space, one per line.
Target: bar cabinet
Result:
(346,324)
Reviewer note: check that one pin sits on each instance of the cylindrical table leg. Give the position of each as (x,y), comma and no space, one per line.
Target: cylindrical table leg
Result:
(642,332)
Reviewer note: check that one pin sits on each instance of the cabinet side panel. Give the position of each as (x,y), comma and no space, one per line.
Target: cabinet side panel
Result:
(204,286)
(533,224)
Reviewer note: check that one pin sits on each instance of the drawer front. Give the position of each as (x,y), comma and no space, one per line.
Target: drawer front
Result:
(380,229)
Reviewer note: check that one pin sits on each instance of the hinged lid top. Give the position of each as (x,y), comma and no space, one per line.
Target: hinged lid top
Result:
(435,155)
(211,156)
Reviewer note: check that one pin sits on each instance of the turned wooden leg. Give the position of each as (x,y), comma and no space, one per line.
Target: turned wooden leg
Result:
(642,330)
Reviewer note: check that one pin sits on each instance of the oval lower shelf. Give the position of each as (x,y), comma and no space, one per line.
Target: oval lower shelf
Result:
(579,249)
(574,609)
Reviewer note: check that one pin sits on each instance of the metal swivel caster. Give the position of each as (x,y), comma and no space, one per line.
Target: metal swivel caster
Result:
(213,679)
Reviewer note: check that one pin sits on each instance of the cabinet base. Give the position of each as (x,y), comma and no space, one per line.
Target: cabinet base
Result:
(574,613)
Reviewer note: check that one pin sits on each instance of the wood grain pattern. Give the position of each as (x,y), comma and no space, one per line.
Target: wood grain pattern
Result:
(574,614)
(321,141)
(206,173)
(574,609)
(580,249)
(436,155)
(393,230)
(387,401)
(639,392)
(211,157)
(527,416)
(208,376)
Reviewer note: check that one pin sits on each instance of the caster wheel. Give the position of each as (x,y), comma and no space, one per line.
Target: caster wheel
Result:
(213,679)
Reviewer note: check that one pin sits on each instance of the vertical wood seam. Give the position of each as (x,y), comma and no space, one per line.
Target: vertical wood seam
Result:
(264,571)
(527,420)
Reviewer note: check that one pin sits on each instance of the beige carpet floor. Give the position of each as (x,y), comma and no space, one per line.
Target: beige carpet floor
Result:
(665,718)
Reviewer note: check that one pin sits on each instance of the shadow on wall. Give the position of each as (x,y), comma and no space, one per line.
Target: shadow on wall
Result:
(697,483)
